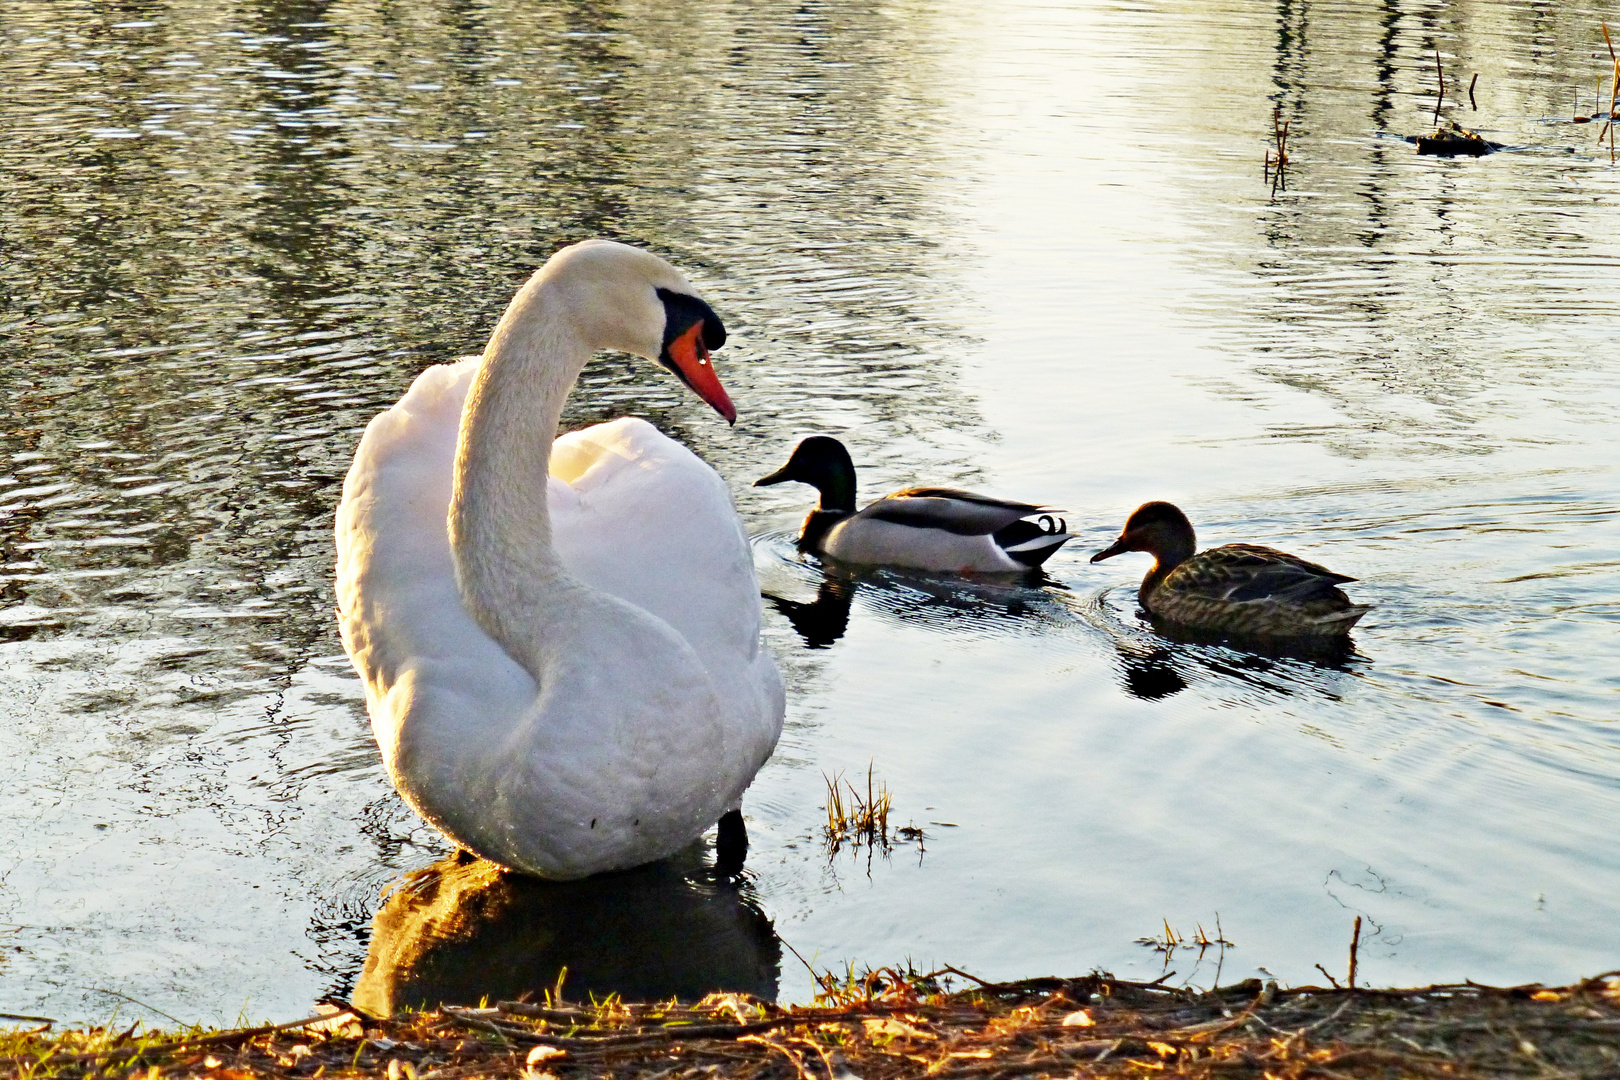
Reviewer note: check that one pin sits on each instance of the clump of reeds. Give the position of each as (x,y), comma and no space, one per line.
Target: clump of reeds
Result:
(1174,940)
(853,988)
(1598,112)
(1614,93)
(856,820)
(1166,944)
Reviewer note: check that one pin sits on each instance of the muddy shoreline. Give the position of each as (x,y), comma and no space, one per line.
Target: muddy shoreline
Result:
(890,1024)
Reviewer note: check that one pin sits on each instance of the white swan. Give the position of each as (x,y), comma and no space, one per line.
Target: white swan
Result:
(564,676)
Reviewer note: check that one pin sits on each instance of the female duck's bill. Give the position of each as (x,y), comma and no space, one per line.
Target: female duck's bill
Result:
(924,528)
(1236,588)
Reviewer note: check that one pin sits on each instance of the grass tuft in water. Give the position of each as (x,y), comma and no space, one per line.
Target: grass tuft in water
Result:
(856,820)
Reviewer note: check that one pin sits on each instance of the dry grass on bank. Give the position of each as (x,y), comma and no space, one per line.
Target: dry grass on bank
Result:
(888,1025)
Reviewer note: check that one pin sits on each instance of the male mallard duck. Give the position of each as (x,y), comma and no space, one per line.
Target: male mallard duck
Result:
(923,528)
(1238,588)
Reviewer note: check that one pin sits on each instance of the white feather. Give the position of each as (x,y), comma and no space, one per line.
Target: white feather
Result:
(647,703)
(885,543)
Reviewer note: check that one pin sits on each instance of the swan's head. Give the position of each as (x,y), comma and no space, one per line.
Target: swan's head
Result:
(630,300)
(1156,527)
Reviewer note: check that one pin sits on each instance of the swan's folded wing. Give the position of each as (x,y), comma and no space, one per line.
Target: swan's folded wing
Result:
(643,518)
(412,642)
(961,512)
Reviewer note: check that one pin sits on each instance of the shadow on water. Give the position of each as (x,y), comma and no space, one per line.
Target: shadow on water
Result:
(1148,672)
(821,621)
(944,602)
(1160,659)
(459,931)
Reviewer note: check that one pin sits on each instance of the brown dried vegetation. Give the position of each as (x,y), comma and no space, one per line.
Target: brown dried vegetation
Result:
(889,1024)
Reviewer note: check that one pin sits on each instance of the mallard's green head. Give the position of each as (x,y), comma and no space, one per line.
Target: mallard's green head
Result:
(822,462)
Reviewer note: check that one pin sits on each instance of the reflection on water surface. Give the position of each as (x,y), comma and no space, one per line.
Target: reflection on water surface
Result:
(462,930)
(975,244)
(943,603)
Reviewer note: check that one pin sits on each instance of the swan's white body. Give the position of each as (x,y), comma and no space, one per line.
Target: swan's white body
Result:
(560,642)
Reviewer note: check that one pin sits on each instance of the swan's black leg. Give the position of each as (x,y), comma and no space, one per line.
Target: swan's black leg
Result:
(731,843)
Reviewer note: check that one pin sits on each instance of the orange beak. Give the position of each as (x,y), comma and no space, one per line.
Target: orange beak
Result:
(690,359)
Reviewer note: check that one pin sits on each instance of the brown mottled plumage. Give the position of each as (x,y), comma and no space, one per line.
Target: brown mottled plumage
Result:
(1235,589)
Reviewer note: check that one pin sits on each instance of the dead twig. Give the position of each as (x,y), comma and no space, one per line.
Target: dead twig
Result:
(1614,92)
(1275,168)
(1326,1020)
(1355,942)
(1440,97)
(949,970)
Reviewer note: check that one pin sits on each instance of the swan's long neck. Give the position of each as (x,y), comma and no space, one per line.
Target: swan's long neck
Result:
(500,529)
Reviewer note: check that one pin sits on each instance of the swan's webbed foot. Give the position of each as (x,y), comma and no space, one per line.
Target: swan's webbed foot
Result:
(731,842)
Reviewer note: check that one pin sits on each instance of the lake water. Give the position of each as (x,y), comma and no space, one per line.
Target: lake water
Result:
(1021,247)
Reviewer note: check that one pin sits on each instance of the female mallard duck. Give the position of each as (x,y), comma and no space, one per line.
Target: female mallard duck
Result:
(559,637)
(1238,588)
(924,528)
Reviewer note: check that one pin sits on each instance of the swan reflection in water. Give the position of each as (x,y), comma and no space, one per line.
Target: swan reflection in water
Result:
(463,929)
